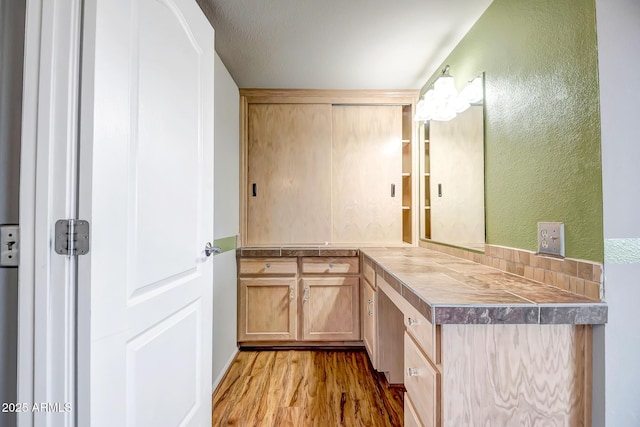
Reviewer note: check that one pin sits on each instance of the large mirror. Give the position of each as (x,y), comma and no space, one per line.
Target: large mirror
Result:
(452,184)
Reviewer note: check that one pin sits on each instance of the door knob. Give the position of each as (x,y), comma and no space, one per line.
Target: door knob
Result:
(210,249)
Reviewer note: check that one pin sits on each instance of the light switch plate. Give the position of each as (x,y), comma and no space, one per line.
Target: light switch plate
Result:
(9,246)
(551,238)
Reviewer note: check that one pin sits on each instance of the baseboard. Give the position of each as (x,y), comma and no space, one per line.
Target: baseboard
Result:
(224,371)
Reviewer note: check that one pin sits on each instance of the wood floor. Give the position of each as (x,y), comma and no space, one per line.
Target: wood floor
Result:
(305,388)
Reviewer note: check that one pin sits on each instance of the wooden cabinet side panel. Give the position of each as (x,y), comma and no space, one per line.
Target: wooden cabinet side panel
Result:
(390,328)
(367,160)
(332,309)
(369,319)
(289,160)
(267,309)
(516,375)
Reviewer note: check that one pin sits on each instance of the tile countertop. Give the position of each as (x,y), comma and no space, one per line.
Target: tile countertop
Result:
(450,290)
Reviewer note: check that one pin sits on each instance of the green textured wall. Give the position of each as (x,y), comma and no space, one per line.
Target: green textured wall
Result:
(542,145)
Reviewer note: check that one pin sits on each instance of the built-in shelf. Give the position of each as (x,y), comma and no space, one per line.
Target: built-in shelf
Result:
(427,174)
(406,141)
(406,208)
(427,207)
(406,173)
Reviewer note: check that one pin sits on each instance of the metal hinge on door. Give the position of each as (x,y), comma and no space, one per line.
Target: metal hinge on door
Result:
(72,237)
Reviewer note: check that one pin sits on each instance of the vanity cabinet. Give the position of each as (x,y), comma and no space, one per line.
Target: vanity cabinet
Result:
(492,374)
(297,300)
(268,299)
(330,302)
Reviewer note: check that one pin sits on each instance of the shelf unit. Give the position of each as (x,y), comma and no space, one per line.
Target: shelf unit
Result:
(425,183)
(407,169)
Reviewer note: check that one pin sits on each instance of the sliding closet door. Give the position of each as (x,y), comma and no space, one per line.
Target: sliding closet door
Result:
(367,165)
(289,159)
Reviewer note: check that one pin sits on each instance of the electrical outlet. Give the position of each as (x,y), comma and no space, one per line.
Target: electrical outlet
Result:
(551,238)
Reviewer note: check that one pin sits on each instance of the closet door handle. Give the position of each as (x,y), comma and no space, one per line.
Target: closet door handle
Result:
(291,295)
(306,295)
(254,189)
(393,190)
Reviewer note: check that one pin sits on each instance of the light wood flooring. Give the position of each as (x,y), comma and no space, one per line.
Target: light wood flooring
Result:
(305,388)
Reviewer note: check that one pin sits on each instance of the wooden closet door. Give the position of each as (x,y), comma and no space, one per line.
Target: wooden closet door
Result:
(367,160)
(289,161)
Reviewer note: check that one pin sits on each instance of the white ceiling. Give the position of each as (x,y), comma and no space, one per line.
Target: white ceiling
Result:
(338,44)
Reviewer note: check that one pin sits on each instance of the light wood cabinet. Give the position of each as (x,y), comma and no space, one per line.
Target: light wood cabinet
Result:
(327,166)
(369,321)
(330,309)
(268,309)
(495,374)
(289,173)
(298,299)
(367,173)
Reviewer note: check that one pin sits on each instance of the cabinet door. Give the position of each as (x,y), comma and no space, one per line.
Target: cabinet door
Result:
(369,332)
(330,307)
(367,161)
(267,309)
(289,163)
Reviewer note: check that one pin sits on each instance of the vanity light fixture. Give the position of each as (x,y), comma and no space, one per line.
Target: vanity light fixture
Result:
(472,92)
(443,102)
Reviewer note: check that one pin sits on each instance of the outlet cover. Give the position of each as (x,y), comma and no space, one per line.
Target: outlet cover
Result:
(551,238)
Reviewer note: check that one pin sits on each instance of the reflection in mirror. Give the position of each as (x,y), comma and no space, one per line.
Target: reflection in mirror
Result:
(452,188)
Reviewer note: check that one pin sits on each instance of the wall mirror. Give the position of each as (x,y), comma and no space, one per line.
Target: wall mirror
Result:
(452,179)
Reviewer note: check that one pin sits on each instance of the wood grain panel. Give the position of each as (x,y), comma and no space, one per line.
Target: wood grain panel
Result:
(424,332)
(369,322)
(331,309)
(515,375)
(337,265)
(410,415)
(369,273)
(267,266)
(390,332)
(367,160)
(289,160)
(422,381)
(267,309)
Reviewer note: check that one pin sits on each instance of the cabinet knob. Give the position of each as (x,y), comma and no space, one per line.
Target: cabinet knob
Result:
(267,265)
(412,372)
(291,291)
(411,321)
(330,265)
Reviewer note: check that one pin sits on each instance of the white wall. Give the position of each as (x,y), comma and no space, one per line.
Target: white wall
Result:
(11,59)
(226,216)
(617,345)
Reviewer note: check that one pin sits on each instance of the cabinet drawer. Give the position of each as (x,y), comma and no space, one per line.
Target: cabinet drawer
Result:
(422,382)
(267,266)
(424,332)
(369,273)
(323,265)
(410,416)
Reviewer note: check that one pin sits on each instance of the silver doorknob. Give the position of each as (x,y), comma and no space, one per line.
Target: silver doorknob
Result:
(210,249)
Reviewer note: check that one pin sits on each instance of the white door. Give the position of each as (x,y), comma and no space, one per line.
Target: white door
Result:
(146,187)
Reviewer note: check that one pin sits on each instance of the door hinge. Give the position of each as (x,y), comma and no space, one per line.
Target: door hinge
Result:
(72,237)
(9,245)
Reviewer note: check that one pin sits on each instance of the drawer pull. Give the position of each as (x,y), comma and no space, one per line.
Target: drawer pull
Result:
(306,295)
(330,265)
(412,372)
(267,265)
(291,296)
(412,322)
